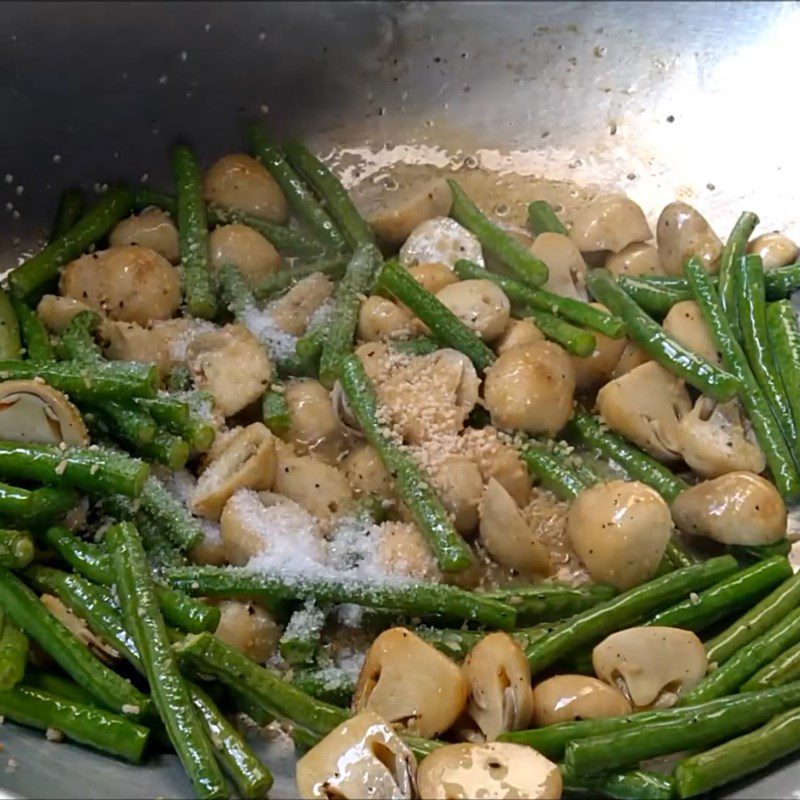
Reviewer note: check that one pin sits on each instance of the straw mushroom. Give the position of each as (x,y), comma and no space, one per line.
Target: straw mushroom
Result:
(488,770)
(685,323)
(653,666)
(433,276)
(518,332)
(609,223)
(246,460)
(410,684)
(366,474)
(499,679)
(315,427)
(239,181)
(248,628)
(152,228)
(736,508)
(645,405)
(379,318)
(362,757)
(619,530)
(459,483)
(715,438)
(32,411)
(682,232)
(565,265)
(480,304)
(293,311)
(635,259)
(566,698)
(245,248)
(318,487)
(775,249)
(505,534)
(594,370)
(531,388)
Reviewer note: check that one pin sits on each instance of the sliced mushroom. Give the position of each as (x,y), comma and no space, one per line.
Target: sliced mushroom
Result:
(645,405)
(32,411)
(362,757)
(518,333)
(293,311)
(715,438)
(632,356)
(462,381)
(441,240)
(315,427)
(505,534)
(566,698)
(499,770)
(318,487)
(565,265)
(594,370)
(459,484)
(685,323)
(407,208)
(653,666)
(251,523)
(499,679)
(480,304)
(736,508)
(682,232)
(775,249)
(531,389)
(635,259)
(231,364)
(410,684)
(619,530)
(609,223)
(511,473)
(247,460)
(130,284)
(248,628)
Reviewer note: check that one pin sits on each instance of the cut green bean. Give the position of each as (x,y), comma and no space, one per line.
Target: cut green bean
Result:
(170,692)
(275,412)
(421,346)
(449,602)
(636,463)
(69,211)
(784,346)
(738,591)
(87,725)
(744,663)
(708,725)
(635,784)
(705,771)
(731,255)
(542,219)
(748,275)
(10,341)
(334,196)
(766,428)
(25,610)
(287,277)
(444,324)
(58,685)
(782,670)
(301,637)
(118,421)
(593,624)
(30,279)
(547,602)
(170,515)
(192,221)
(34,335)
(651,297)
(579,342)
(13,654)
(495,240)
(77,341)
(567,308)
(706,377)
(96,471)
(357,281)
(251,778)
(329,684)
(300,198)
(16,548)
(166,448)
(451,551)
(261,686)
(551,471)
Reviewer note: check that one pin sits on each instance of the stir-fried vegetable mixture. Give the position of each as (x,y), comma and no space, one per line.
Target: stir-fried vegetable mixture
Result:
(463,516)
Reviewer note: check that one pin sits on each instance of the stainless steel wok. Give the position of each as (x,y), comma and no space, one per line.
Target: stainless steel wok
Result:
(662,100)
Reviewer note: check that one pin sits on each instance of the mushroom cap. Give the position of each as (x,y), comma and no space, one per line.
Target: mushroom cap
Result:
(565,698)
(619,530)
(681,232)
(499,679)
(362,757)
(410,684)
(489,770)
(652,665)
(736,508)
(505,534)
(775,249)
(645,406)
(32,411)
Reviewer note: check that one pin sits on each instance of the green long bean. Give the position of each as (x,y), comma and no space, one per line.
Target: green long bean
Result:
(784,343)
(766,428)
(286,277)
(34,335)
(546,602)
(731,255)
(16,548)
(542,219)
(10,341)
(13,654)
(69,211)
